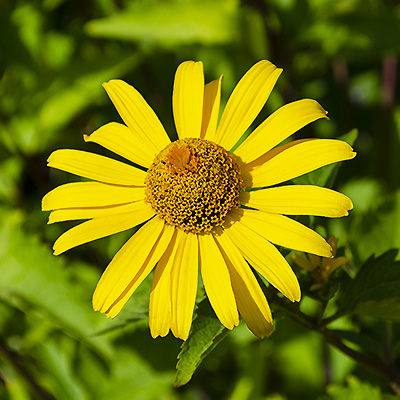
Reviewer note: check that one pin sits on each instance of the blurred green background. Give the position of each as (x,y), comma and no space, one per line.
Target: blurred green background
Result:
(54,55)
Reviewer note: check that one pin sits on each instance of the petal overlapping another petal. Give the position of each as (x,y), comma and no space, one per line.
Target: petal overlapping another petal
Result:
(90,194)
(250,299)
(264,257)
(245,102)
(137,114)
(217,281)
(101,227)
(122,140)
(298,200)
(295,159)
(279,126)
(96,167)
(130,266)
(212,100)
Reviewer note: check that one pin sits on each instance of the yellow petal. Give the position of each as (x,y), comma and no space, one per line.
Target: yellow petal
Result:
(284,231)
(212,99)
(263,257)
(71,214)
(217,282)
(251,301)
(137,114)
(96,167)
(90,194)
(245,102)
(279,126)
(124,141)
(160,308)
(297,158)
(184,285)
(298,200)
(132,263)
(129,267)
(187,99)
(329,266)
(101,227)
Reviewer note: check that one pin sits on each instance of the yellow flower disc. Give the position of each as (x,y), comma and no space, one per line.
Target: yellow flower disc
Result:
(192,184)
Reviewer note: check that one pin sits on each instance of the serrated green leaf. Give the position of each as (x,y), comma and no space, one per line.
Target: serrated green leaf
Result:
(206,333)
(374,291)
(325,176)
(355,390)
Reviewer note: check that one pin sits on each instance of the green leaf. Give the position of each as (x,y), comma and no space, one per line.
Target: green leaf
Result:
(374,291)
(206,333)
(325,176)
(32,274)
(170,23)
(355,390)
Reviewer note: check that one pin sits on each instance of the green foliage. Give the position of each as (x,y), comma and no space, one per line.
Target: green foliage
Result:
(374,292)
(206,333)
(54,56)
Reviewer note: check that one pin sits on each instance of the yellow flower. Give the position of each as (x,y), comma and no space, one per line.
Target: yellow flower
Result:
(188,196)
(321,268)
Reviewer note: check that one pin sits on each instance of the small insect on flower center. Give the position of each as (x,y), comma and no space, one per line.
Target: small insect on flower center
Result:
(193,184)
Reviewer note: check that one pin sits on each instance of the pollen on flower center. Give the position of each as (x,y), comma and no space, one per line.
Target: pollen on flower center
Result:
(193,184)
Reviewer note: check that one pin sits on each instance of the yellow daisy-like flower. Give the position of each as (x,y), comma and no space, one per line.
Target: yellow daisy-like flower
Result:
(189,194)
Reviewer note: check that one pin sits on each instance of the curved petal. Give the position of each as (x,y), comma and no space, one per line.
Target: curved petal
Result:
(245,102)
(284,231)
(72,214)
(217,281)
(251,301)
(264,257)
(137,114)
(160,308)
(130,266)
(297,158)
(278,126)
(187,99)
(121,140)
(96,167)
(90,194)
(298,200)
(132,271)
(184,279)
(100,227)
(212,99)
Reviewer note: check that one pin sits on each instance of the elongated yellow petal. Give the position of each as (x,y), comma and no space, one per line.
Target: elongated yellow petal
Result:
(129,270)
(284,231)
(187,99)
(184,278)
(71,214)
(160,308)
(298,200)
(212,99)
(298,158)
(132,263)
(217,282)
(123,141)
(245,102)
(101,227)
(264,257)
(90,194)
(137,114)
(279,126)
(251,301)
(96,167)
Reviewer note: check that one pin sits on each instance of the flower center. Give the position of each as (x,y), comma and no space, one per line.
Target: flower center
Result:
(193,184)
